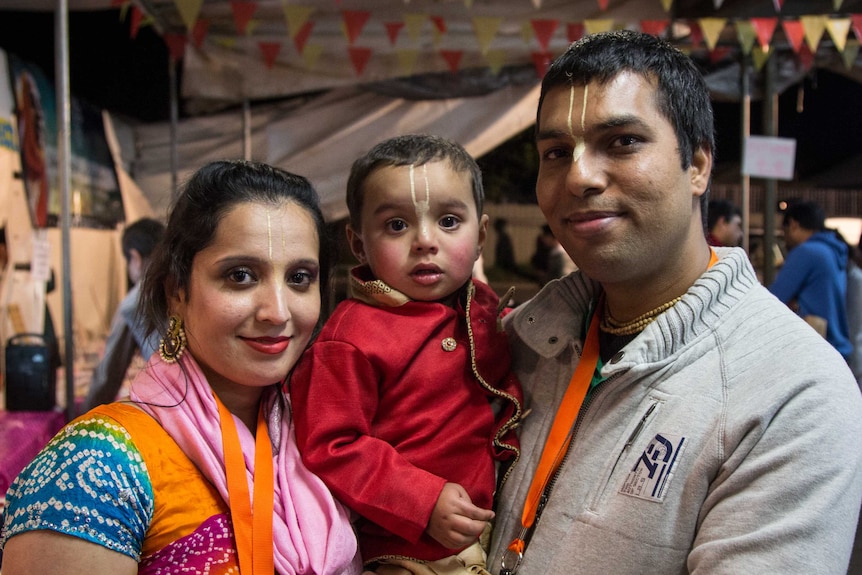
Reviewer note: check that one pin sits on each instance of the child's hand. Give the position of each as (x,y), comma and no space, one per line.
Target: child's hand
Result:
(455,521)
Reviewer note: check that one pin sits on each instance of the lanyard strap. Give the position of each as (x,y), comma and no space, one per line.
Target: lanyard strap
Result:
(252,521)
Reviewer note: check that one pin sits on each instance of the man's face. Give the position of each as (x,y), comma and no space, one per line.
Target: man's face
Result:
(611,184)
(729,233)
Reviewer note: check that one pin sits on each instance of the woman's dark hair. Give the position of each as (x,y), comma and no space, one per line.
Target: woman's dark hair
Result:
(194,218)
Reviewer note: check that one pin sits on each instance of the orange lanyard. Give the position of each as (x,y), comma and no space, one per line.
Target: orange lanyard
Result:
(560,436)
(252,522)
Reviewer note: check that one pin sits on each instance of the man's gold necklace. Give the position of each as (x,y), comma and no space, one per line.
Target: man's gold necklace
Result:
(638,324)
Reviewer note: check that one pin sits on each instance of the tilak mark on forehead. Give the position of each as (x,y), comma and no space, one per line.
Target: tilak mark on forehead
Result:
(422,207)
(580,143)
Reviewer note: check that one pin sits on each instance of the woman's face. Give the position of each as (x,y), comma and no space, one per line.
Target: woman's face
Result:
(253,297)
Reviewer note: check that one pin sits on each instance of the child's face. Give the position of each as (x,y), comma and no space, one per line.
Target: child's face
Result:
(420,231)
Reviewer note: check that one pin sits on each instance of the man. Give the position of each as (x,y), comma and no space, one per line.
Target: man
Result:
(127,332)
(813,278)
(723,224)
(720,433)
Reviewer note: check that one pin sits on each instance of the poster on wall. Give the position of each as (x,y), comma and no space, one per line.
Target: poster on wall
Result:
(96,200)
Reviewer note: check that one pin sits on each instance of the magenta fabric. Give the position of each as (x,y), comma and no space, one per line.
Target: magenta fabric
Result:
(22,435)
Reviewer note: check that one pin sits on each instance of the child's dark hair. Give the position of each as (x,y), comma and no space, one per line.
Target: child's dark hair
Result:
(410,150)
(194,218)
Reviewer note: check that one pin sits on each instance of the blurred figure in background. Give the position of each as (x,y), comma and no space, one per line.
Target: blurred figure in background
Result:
(724,224)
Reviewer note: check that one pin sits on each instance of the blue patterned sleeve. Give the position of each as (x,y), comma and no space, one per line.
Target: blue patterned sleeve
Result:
(90,482)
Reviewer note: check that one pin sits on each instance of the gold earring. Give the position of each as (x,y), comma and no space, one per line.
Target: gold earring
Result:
(174,342)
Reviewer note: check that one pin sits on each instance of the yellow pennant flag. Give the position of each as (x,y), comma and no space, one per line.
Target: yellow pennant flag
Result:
(189,11)
(468,4)
(413,24)
(486,29)
(759,56)
(837,4)
(495,59)
(598,25)
(407,61)
(311,54)
(226,42)
(295,16)
(838,29)
(814,27)
(711,28)
(526,32)
(746,34)
(666,4)
(251,26)
(851,50)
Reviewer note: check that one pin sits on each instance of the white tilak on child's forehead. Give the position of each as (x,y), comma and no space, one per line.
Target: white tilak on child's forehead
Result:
(580,143)
(421,206)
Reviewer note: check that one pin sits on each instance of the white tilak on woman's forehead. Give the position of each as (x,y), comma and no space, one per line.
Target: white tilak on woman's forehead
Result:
(421,206)
(580,143)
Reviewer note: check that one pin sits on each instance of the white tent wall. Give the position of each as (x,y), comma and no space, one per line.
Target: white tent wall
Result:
(321,138)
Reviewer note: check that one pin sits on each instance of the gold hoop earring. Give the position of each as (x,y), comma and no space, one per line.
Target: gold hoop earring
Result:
(172,345)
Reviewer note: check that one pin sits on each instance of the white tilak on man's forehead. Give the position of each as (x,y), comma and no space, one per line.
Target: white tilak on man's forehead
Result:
(269,233)
(421,206)
(580,143)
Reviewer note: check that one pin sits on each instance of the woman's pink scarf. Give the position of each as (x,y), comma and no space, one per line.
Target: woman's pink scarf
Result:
(311,531)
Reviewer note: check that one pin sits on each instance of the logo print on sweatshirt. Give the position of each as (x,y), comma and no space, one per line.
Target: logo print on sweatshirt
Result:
(651,475)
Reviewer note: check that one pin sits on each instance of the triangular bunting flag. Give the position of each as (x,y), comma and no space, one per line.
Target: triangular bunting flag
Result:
(856,22)
(414,23)
(544,29)
(666,4)
(851,50)
(439,23)
(392,31)
(189,11)
(269,50)
(745,34)
(696,33)
(838,29)
(407,60)
(603,5)
(526,32)
(202,26)
(778,5)
(759,56)
(354,22)
(716,55)
(226,42)
(453,59)
(814,27)
(135,23)
(836,5)
(654,27)
(359,57)
(296,17)
(486,28)
(711,28)
(806,57)
(119,3)
(765,29)
(574,31)
(252,26)
(176,45)
(495,59)
(468,4)
(242,10)
(311,54)
(541,61)
(301,36)
(794,33)
(600,25)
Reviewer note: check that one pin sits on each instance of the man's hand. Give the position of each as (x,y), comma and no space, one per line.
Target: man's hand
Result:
(455,521)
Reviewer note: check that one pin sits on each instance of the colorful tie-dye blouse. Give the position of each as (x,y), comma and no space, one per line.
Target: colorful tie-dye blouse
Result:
(114,477)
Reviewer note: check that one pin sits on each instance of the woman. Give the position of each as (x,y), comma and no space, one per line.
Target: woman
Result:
(182,475)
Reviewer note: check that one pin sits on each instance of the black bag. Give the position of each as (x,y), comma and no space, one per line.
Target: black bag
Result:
(31,379)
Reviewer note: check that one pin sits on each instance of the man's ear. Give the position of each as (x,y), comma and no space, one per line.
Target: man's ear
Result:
(357,246)
(700,170)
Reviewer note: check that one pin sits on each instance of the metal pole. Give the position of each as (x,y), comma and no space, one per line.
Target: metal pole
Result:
(770,128)
(172,77)
(745,102)
(64,146)
(246,129)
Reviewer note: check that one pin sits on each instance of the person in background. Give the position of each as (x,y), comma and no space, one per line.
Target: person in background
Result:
(405,400)
(724,224)
(127,335)
(504,250)
(198,471)
(559,262)
(813,278)
(681,419)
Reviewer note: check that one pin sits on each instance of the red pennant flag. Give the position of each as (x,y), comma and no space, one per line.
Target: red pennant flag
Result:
(439,23)
(718,53)
(453,59)
(806,58)
(764,28)
(603,5)
(654,27)
(795,33)
(135,24)
(242,10)
(118,3)
(778,5)
(856,22)
(354,22)
(544,29)
(574,31)
(269,50)
(541,61)
(201,28)
(176,45)
(392,30)
(302,35)
(696,33)
(359,57)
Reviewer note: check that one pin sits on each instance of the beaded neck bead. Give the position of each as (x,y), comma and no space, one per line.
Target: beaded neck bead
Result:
(638,324)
